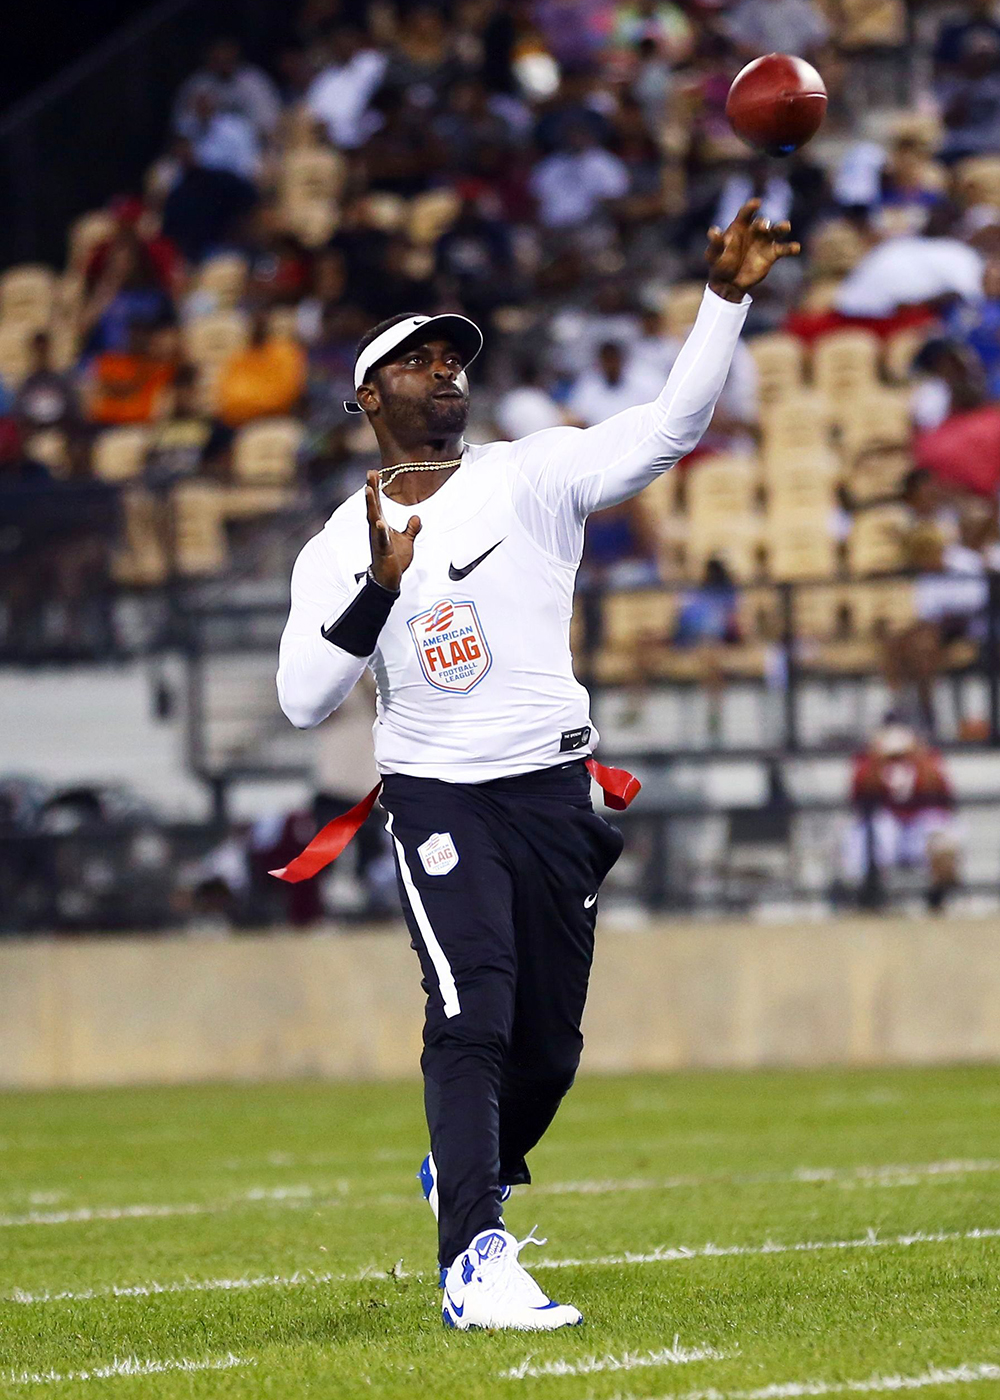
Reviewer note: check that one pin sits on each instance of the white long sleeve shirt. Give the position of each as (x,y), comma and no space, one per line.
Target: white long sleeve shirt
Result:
(473,668)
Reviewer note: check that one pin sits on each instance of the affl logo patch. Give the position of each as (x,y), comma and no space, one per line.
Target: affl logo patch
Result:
(454,654)
(438,854)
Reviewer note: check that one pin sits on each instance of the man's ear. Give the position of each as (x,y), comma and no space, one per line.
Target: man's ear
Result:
(368,398)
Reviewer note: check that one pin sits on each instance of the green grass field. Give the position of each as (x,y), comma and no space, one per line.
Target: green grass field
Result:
(272,1241)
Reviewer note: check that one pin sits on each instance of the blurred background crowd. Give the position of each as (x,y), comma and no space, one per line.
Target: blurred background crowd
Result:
(171,420)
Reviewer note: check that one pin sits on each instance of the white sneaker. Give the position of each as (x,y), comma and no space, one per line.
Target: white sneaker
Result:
(487,1287)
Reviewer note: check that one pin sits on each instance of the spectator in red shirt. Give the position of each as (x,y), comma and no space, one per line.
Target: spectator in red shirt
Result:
(905,819)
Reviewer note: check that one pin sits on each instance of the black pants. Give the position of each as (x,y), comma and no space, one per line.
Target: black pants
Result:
(499,885)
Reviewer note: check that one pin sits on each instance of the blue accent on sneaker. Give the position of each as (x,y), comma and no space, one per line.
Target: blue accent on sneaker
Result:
(450,1303)
(505,1193)
(447,1318)
(443,1276)
(491,1246)
(426,1177)
(468,1268)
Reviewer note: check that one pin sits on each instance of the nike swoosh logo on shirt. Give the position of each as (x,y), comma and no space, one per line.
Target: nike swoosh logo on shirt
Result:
(590,901)
(456,575)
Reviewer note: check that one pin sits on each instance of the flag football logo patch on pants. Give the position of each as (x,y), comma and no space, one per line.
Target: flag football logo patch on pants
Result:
(453,652)
(438,854)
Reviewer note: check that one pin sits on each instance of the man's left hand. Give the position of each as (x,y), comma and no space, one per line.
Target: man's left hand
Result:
(744,254)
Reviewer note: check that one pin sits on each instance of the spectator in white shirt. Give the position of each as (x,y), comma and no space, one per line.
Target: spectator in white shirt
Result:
(572,185)
(612,385)
(908,272)
(236,87)
(221,140)
(341,94)
(527,407)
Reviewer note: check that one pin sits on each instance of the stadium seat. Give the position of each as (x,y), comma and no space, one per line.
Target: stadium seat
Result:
(734,541)
(50,447)
(27,296)
(633,623)
(309,185)
(266,451)
(141,561)
(86,233)
(803,485)
(210,340)
(795,427)
(824,613)
(978,181)
(865,24)
(875,544)
(720,487)
(681,308)
(799,547)
(119,453)
(887,605)
(878,419)
(201,539)
(877,473)
(15,350)
(899,351)
(224,277)
(845,366)
(779,368)
(760,615)
(431,215)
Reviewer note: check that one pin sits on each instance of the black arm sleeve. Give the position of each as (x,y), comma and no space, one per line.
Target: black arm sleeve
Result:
(357,628)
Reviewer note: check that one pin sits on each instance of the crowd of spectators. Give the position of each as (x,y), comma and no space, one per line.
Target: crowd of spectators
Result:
(549,167)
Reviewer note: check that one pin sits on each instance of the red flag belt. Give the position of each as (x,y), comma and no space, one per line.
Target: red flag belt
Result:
(619,790)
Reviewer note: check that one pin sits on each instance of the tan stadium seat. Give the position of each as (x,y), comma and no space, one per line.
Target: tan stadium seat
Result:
(246,502)
(49,447)
(875,544)
(201,537)
(141,561)
(86,233)
(312,221)
(899,351)
(266,451)
(312,172)
(800,547)
(824,613)
(977,181)
(795,426)
(801,482)
(845,365)
(882,607)
(283,322)
(431,215)
(871,24)
(630,616)
(734,541)
(211,340)
(224,277)
(681,308)
(779,360)
(27,296)
(759,612)
(721,487)
(15,352)
(879,419)
(877,473)
(119,453)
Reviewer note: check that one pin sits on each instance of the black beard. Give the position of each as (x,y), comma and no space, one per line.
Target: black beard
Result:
(423,419)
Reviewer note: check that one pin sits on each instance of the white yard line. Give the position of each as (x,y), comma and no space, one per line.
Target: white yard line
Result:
(630,1361)
(675,1254)
(340,1193)
(127,1366)
(789,1390)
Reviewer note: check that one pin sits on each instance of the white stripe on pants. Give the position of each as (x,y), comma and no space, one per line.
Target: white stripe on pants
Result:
(449,992)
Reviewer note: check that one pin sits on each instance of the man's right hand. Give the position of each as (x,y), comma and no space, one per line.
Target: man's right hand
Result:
(392,551)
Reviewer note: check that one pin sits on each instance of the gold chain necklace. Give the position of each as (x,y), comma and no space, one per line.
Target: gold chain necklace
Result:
(388,474)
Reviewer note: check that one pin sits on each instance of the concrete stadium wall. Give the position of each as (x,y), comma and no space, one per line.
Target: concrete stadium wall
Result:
(861,992)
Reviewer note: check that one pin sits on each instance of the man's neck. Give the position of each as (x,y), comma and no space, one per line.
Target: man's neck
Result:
(409,488)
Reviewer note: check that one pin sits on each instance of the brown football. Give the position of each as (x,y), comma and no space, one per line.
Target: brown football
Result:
(777,103)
